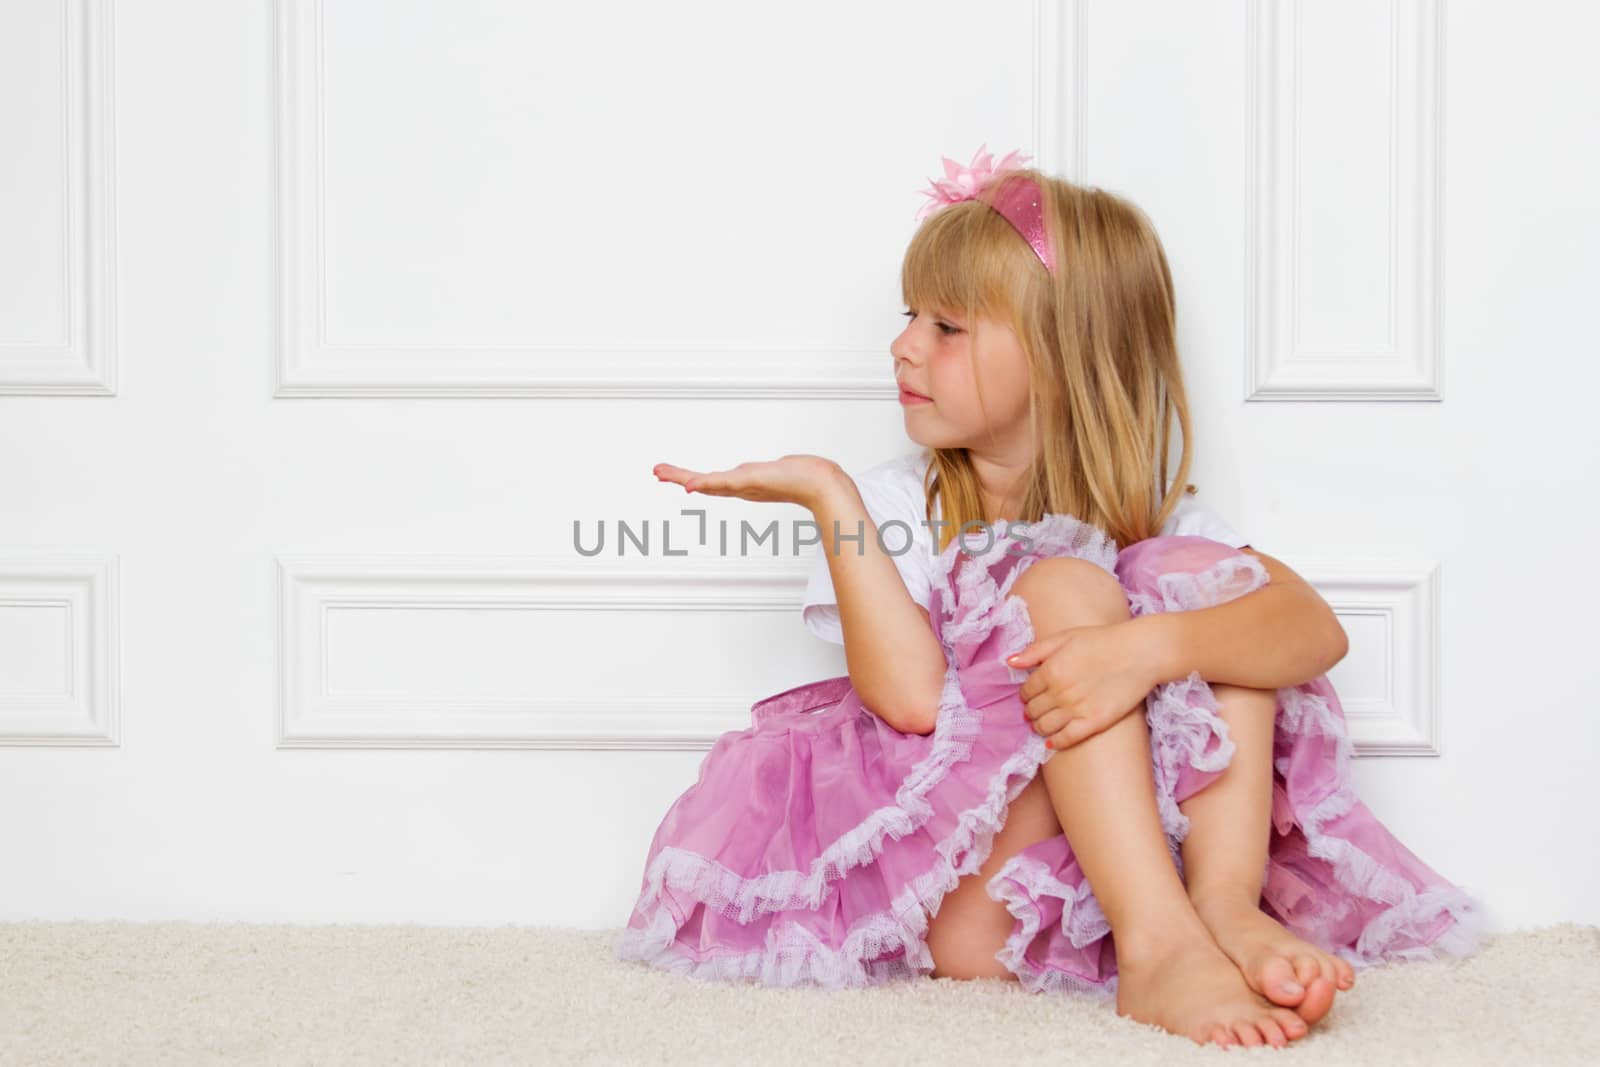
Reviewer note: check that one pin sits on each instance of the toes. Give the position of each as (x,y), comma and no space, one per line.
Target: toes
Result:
(1272,1032)
(1248,1035)
(1336,971)
(1223,1036)
(1328,970)
(1318,999)
(1293,1026)
(1306,968)
(1278,982)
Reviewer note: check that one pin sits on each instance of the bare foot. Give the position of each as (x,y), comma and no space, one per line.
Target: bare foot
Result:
(1274,962)
(1187,986)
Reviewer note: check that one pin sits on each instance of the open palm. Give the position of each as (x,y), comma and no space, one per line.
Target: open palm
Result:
(797,479)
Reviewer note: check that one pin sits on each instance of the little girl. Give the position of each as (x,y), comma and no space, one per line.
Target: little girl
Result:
(945,807)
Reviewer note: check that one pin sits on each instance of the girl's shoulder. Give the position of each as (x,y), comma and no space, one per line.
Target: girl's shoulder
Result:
(901,476)
(892,491)
(1189,516)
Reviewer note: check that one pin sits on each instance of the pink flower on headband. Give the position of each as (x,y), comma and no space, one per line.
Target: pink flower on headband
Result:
(964,183)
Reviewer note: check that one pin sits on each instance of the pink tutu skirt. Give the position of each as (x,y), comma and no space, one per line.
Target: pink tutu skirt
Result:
(816,844)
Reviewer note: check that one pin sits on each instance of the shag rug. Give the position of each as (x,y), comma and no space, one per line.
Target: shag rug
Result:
(238,993)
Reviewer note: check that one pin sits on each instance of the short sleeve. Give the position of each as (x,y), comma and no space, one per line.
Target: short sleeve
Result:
(886,490)
(1195,519)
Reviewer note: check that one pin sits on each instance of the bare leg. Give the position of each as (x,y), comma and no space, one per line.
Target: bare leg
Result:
(1170,971)
(1225,855)
(971,926)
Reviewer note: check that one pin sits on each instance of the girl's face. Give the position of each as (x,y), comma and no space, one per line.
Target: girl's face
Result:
(934,358)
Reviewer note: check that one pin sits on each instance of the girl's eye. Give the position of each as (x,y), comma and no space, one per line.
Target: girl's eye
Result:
(944,327)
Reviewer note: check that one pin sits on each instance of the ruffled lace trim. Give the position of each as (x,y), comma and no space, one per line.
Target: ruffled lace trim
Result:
(1181,732)
(1410,912)
(1228,578)
(1017,885)
(707,880)
(1056,534)
(794,956)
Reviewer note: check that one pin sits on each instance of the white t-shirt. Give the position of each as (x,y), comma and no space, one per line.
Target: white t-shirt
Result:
(893,490)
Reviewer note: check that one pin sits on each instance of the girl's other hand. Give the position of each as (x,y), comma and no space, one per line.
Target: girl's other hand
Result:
(796,479)
(1084,679)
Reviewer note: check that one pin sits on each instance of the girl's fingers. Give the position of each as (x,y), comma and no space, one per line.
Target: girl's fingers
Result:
(1062,731)
(1074,731)
(714,482)
(717,484)
(1059,739)
(788,479)
(1038,707)
(668,473)
(1048,721)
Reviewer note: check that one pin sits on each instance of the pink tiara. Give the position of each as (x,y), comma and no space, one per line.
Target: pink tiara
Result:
(1018,202)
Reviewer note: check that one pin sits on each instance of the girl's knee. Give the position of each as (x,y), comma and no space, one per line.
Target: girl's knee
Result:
(1075,585)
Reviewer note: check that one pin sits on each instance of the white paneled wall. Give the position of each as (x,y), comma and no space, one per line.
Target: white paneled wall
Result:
(323,322)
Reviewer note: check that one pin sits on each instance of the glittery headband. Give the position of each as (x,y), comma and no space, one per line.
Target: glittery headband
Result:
(1019,201)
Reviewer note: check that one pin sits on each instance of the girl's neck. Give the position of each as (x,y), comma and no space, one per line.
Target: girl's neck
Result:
(1000,475)
(1004,511)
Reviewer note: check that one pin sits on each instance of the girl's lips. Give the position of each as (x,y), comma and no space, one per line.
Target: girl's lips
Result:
(908,397)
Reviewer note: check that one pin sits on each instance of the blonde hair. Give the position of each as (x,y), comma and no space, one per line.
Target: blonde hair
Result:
(1100,341)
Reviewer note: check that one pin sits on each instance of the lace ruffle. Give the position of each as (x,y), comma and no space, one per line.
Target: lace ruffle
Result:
(1304,713)
(1019,885)
(1228,578)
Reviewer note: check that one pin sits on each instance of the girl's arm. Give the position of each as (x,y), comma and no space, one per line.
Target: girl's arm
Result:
(1281,634)
(896,664)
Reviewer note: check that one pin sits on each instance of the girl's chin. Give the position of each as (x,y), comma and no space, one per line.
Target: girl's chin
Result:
(925,439)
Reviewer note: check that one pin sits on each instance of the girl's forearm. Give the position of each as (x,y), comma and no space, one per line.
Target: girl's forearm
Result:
(1277,635)
(896,664)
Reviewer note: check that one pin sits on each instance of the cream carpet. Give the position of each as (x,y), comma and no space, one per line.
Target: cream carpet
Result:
(179,993)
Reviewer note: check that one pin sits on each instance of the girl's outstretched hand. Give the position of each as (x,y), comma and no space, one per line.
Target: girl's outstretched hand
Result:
(796,479)
(1084,679)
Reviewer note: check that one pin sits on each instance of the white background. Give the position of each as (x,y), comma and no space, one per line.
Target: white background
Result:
(321,324)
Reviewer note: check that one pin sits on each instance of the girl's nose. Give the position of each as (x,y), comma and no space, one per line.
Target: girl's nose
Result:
(902,349)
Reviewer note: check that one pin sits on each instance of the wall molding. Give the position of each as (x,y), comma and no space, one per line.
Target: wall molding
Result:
(84,362)
(84,711)
(311,588)
(1281,363)
(307,365)
(1403,718)
(1060,89)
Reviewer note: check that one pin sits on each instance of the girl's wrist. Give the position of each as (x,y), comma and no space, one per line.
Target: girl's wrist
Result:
(833,492)
(1168,658)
